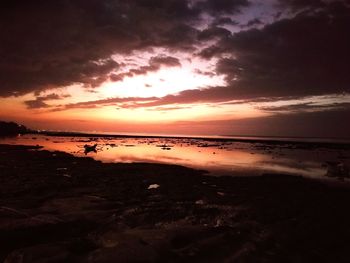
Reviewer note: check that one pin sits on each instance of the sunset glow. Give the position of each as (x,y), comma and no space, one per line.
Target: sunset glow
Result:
(174,131)
(208,69)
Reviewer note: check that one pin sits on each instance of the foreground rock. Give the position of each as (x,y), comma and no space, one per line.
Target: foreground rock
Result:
(58,208)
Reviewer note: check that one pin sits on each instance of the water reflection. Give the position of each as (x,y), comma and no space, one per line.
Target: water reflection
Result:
(224,157)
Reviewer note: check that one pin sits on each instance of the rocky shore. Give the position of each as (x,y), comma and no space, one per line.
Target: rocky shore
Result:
(55,207)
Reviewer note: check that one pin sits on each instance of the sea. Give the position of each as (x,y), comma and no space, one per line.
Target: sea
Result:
(317,158)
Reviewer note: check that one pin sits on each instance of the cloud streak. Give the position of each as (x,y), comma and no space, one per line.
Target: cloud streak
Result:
(40,101)
(104,102)
(154,64)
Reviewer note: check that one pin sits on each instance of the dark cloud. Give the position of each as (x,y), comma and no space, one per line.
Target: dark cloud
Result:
(178,9)
(305,107)
(225,95)
(164,109)
(36,104)
(321,124)
(302,4)
(205,73)
(253,22)
(219,94)
(40,101)
(216,7)
(103,102)
(47,44)
(208,95)
(301,56)
(220,21)
(165,61)
(210,52)
(213,32)
(154,64)
(292,58)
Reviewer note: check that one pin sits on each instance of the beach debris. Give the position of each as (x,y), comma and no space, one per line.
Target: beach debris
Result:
(95,197)
(220,193)
(153,186)
(337,170)
(204,145)
(61,169)
(67,175)
(39,218)
(13,210)
(90,148)
(200,202)
(164,146)
(219,222)
(82,140)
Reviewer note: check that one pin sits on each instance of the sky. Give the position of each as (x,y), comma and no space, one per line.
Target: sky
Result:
(192,67)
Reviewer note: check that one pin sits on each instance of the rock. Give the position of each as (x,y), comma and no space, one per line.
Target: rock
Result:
(200,202)
(153,186)
(42,253)
(122,247)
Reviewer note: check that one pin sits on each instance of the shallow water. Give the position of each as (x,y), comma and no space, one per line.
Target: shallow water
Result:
(218,157)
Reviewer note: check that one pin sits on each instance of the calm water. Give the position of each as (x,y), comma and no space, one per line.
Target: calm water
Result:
(223,157)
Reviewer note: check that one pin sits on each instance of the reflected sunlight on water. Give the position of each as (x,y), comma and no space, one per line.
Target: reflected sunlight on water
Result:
(218,157)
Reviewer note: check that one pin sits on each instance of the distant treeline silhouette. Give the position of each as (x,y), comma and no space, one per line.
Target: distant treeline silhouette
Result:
(12,128)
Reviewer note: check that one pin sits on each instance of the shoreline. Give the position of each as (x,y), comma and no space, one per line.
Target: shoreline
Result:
(274,140)
(75,209)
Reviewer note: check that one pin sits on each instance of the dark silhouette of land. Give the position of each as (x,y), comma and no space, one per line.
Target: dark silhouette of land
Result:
(55,207)
(12,129)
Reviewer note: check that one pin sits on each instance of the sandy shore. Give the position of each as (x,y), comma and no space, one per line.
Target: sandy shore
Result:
(58,208)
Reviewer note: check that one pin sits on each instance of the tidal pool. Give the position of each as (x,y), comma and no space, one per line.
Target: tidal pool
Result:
(217,157)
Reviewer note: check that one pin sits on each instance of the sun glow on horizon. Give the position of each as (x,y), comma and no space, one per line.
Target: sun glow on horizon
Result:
(163,82)
(135,100)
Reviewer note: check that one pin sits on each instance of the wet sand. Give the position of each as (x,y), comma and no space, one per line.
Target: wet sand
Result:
(55,207)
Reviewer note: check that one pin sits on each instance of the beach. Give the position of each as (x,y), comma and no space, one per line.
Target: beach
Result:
(175,131)
(56,207)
